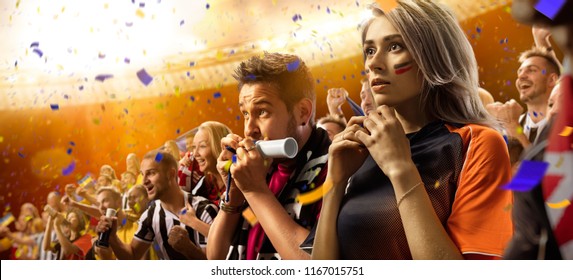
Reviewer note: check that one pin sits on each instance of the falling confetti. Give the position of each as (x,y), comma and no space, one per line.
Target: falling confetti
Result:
(144,77)
(38,52)
(566,131)
(103,77)
(35,45)
(158,157)
(69,169)
(528,176)
(181,22)
(216,95)
(69,151)
(127,60)
(184,211)
(292,66)
(549,8)
(55,107)
(207,6)
(561,204)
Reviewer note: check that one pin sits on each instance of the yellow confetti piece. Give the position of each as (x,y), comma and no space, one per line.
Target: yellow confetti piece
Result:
(507,9)
(177,91)
(561,204)
(220,55)
(559,162)
(140,13)
(1,139)
(437,184)
(136,207)
(316,194)
(250,217)
(508,208)
(519,130)
(566,131)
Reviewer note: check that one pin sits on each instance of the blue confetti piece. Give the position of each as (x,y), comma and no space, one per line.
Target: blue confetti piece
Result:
(184,211)
(177,131)
(72,143)
(103,77)
(534,114)
(127,60)
(543,71)
(506,139)
(144,77)
(528,176)
(238,118)
(549,8)
(35,44)
(478,30)
(21,155)
(234,159)
(55,107)
(124,221)
(68,170)
(69,151)
(355,107)
(39,52)
(216,95)
(207,6)
(296,17)
(251,77)
(191,64)
(291,67)
(158,157)
(181,22)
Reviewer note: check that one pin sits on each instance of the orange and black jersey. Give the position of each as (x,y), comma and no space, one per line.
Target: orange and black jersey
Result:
(462,167)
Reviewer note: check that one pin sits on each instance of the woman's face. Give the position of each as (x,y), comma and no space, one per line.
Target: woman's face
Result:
(393,73)
(202,151)
(74,221)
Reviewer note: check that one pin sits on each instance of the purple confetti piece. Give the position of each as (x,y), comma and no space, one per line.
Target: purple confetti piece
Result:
(16,63)
(69,151)
(129,24)
(328,10)
(192,98)
(81,88)
(141,4)
(72,143)
(101,55)
(291,67)
(55,107)
(216,95)
(251,77)
(35,44)
(181,22)
(103,77)
(125,110)
(207,6)
(39,52)
(528,176)
(21,155)
(144,77)
(158,157)
(127,60)
(549,8)
(177,131)
(191,64)
(478,30)
(68,170)
(543,71)
(238,118)
(208,101)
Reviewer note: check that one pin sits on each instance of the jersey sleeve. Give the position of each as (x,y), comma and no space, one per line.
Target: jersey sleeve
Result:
(480,221)
(145,231)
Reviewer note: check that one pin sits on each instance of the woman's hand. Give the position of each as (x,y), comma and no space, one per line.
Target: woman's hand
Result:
(387,141)
(346,153)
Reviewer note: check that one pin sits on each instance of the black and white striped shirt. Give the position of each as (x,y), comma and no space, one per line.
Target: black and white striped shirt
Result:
(156,222)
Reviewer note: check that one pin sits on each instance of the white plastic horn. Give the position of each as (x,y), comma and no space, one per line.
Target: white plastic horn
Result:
(281,148)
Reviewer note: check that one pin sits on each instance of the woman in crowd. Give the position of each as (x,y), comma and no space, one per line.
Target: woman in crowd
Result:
(426,167)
